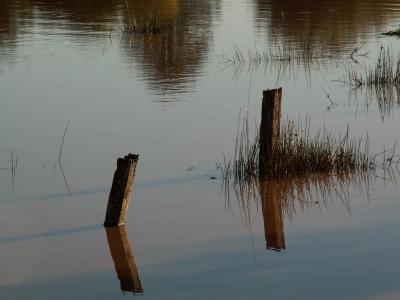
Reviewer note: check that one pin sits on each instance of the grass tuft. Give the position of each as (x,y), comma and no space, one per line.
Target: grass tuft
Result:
(385,73)
(297,152)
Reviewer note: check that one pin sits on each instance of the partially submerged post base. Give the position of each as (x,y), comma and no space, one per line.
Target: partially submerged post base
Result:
(121,191)
(269,127)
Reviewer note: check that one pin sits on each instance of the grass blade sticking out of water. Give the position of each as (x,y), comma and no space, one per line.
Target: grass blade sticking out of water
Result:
(59,159)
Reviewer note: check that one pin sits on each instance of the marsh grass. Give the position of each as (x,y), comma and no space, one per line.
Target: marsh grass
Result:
(298,152)
(306,55)
(385,73)
(284,59)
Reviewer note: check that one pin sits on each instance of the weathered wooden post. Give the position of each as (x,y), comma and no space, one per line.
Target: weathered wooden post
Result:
(124,261)
(269,127)
(121,191)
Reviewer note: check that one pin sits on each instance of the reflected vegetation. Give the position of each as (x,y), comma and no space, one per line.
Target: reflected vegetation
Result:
(84,16)
(334,24)
(171,60)
(124,260)
(387,99)
(284,198)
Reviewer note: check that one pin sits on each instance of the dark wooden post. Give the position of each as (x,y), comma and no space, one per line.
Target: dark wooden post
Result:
(124,261)
(121,190)
(269,127)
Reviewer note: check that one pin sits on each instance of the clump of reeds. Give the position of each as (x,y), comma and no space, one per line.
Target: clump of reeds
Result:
(385,72)
(299,152)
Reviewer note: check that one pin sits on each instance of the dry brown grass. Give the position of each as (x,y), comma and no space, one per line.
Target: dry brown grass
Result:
(299,152)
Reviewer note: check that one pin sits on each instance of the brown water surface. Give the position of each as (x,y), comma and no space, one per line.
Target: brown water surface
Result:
(174,98)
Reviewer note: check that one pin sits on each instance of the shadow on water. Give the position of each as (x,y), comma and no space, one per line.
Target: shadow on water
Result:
(124,260)
(284,198)
(48,234)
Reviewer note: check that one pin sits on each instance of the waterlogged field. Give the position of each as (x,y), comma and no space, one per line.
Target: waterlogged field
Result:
(171,81)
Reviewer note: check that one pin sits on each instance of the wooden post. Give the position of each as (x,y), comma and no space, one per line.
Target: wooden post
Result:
(124,261)
(121,191)
(269,127)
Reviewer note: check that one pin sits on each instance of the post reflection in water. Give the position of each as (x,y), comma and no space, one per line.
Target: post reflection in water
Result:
(124,260)
(271,204)
(284,198)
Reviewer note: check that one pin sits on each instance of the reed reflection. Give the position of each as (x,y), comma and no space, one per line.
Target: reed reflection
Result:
(170,60)
(387,99)
(124,260)
(283,199)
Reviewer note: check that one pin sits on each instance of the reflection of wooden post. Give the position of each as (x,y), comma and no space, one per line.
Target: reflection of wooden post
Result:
(269,127)
(273,217)
(124,261)
(121,190)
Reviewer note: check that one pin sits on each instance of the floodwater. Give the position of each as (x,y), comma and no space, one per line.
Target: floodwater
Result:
(174,98)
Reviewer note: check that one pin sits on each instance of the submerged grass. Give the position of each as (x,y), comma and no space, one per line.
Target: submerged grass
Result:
(385,73)
(306,55)
(298,152)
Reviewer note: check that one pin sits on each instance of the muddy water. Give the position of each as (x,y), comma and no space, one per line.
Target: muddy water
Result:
(174,98)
